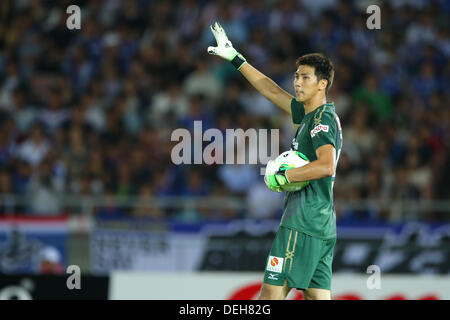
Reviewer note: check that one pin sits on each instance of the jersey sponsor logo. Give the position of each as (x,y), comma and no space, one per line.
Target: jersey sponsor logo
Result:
(275,264)
(318,128)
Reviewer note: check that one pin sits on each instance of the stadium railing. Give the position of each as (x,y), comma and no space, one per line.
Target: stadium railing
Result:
(87,206)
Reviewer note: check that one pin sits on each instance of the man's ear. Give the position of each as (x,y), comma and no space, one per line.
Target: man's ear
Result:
(323,84)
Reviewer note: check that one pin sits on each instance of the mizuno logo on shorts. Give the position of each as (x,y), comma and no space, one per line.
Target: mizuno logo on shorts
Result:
(272,276)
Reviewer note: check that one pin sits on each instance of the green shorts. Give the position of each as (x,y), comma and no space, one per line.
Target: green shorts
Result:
(300,259)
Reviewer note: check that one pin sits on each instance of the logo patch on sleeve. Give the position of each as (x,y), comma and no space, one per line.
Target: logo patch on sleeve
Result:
(274,264)
(318,128)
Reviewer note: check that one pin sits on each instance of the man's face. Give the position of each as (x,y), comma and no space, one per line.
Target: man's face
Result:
(305,83)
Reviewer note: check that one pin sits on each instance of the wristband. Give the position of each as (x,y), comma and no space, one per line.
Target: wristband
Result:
(238,61)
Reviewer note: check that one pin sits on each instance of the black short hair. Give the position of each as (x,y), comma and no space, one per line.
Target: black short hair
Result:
(323,67)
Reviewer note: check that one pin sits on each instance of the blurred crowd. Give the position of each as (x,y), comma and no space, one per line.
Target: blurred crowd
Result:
(91,111)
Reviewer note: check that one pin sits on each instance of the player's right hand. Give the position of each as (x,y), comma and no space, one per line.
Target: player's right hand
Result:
(268,177)
(224,47)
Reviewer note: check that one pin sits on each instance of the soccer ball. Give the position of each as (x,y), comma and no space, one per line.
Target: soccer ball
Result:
(288,160)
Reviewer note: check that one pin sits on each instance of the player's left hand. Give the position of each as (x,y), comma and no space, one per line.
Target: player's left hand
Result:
(278,179)
(275,179)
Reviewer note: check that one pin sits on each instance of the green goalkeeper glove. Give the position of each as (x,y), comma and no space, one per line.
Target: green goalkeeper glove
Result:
(225,48)
(275,179)
(278,179)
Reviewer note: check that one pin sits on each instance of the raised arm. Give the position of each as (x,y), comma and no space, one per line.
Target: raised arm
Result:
(266,86)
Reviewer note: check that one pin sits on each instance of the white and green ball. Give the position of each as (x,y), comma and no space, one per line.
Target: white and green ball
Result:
(289,160)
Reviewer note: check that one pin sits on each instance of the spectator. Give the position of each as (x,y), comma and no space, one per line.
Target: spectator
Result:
(202,82)
(238,177)
(146,207)
(50,262)
(378,101)
(6,148)
(173,101)
(358,136)
(109,96)
(55,115)
(6,189)
(21,177)
(76,153)
(43,192)
(34,149)
(24,115)
(110,209)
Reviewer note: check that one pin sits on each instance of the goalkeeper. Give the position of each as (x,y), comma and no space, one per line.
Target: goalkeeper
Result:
(302,252)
